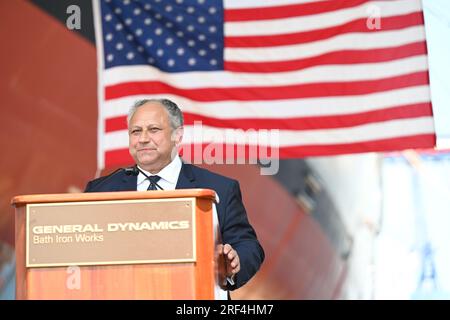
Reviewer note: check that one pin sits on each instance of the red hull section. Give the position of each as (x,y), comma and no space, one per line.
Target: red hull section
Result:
(48,115)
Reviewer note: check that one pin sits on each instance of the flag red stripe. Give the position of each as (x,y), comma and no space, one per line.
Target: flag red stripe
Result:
(286,11)
(117,123)
(122,157)
(269,93)
(332,58)
(118,157)
(300,123)
(359,26)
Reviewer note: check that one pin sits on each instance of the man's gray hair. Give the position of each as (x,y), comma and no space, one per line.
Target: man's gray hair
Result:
(175,114)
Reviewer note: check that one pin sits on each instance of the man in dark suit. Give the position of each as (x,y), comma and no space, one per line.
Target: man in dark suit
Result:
(155,130)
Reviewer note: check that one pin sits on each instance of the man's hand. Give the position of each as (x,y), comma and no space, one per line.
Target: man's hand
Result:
(231,257)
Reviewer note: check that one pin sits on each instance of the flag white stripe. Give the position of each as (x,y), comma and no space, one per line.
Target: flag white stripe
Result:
(226,79)
(367,132)
(282,108)
(240,4)
(350,41)
(382,9)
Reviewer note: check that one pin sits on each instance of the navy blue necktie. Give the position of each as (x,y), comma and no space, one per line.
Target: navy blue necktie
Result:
(153,181)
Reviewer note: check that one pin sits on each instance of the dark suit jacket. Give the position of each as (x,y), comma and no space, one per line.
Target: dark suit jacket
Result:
(234,226)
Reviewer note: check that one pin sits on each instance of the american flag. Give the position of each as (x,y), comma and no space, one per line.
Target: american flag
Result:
(333,77)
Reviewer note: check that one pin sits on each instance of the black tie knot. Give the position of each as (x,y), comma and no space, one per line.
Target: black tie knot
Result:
(153,181)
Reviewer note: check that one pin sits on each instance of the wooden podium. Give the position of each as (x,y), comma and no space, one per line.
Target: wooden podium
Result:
(116,245)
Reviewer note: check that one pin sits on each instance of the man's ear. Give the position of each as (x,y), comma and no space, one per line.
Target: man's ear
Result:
(178,135)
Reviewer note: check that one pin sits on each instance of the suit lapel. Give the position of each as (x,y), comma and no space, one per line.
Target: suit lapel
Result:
(129,183)
(186,180)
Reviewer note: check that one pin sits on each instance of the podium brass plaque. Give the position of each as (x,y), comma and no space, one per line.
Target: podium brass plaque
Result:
(111,232)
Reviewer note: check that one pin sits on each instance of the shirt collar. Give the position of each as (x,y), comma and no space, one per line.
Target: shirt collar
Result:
(169,173)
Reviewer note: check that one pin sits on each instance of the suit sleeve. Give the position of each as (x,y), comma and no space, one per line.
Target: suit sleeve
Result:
(88,187)
(93,186)
(238,232)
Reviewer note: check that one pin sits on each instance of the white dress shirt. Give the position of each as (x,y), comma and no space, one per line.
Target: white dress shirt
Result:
(169,176)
